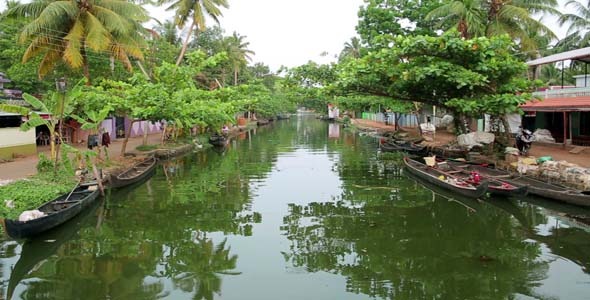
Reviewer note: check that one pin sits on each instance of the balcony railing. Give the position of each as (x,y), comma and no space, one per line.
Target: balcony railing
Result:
(565,93)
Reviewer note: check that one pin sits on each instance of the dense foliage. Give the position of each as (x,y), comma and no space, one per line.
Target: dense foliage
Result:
(32,192)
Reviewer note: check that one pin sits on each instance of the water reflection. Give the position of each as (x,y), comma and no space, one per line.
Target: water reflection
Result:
(293,212)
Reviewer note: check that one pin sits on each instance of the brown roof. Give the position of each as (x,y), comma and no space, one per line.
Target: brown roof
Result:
(581,103)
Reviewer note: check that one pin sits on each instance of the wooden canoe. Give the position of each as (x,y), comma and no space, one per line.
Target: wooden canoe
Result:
(553,191)
(218,140)
(407,147)
(540,188)
(57,212)
(136,173)
(450,182)
(36,250)
(497,186)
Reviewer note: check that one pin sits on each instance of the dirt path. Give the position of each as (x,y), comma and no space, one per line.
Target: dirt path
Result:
(557,152)
(26,166)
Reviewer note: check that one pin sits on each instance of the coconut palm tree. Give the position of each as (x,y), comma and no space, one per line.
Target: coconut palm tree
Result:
(515,18)
(68,29)
(194,11)
(238,53)
(167,32)
(352,49)
(475,18)
(578,33)
(466,15)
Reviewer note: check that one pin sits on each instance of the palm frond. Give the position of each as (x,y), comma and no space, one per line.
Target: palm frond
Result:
(32,9)
(38,45)
(51,18)
(48,62)
(97,37)
(126,9)
(111,21)
(73,40)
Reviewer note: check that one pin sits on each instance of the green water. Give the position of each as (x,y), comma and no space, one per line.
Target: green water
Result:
(298,210)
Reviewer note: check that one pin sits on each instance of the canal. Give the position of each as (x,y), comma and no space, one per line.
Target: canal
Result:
(302,209)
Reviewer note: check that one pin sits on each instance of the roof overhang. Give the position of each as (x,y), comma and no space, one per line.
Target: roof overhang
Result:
(558,104)
(582,54)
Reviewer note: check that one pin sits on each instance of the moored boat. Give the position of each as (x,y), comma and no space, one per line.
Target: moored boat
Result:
(553,191)
(446,180)
(496,186)
(54,212)
(218,140)
(408,147)
(136,173)
(262,122)
(538,187)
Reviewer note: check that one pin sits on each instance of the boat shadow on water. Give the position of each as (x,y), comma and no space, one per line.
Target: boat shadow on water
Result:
(36,250)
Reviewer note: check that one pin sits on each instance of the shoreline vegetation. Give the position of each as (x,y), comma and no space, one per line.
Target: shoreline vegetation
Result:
(31,192)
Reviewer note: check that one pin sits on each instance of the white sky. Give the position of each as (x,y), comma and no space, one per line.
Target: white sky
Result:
(289,32)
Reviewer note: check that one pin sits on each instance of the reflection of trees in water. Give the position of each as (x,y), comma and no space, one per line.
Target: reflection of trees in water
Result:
(196,267)
(392,238)
(426,252)
(572,243)
(161,226)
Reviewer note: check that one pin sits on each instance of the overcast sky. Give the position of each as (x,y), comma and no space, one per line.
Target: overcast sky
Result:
(289,32)
(292,32)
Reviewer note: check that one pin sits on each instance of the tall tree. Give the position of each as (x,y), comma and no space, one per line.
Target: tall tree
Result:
(578,33)
(475,18)
(68,30)
(466,15)
(194,11)
(167,32)
(238,53)
(352,49)
(378,18)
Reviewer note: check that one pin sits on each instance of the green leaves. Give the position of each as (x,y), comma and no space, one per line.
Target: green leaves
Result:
(470,76)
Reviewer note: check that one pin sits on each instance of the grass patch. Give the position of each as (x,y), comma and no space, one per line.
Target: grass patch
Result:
(30,193)
(146,147)
(391,155)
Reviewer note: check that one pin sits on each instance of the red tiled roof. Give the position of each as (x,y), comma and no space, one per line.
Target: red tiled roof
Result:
(581,103)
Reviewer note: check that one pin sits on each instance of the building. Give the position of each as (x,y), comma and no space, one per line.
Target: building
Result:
(13,141)
(565,111)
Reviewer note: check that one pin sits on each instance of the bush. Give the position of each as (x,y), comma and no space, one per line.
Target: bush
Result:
(44,164)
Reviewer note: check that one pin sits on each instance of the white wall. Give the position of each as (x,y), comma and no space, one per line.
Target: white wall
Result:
(12,136)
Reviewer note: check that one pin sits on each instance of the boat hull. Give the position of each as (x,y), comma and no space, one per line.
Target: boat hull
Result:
(218,140)
(412,149)
(147,167)
(57,214)
(422,171)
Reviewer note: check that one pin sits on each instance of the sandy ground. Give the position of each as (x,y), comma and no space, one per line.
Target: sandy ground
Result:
(557,152)
(25,166)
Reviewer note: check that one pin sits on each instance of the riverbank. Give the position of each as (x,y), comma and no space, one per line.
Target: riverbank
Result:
(557,152)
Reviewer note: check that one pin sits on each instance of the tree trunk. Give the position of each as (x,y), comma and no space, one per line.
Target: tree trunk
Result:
(145,132)
(185,45)
(235,76)
(164,132)
(52,143)
(507,135)
(86,67)
(463,29)
(127,134)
